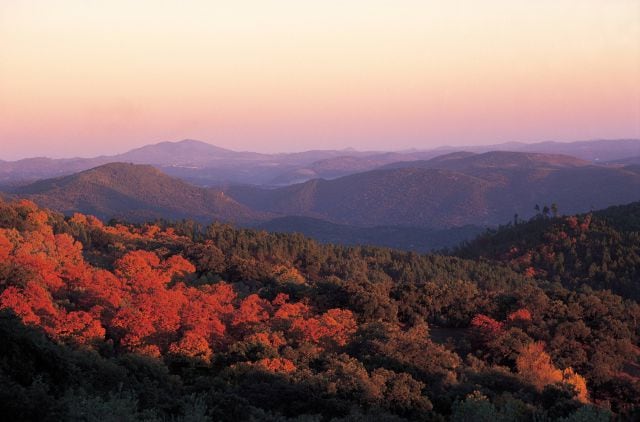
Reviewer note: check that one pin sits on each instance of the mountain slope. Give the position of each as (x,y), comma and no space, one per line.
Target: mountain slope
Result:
(30,169)
(599,150)
(406,197)
(343,165)
(404,238)
(134,323)
(594,150)
(205,164)
(600,249)
(482,189)
(135,192)
(467,161)
(629,161)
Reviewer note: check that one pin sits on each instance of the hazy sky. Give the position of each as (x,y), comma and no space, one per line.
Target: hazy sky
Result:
(84,77)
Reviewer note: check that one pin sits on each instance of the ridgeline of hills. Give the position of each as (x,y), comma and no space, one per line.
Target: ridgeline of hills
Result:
(205,164)
(600,249)
(139,193)
(419,205)
(404,197)
(467,161)
(134,192)
(452,190)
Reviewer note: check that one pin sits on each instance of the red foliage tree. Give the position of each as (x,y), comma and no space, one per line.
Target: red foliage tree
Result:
(145,304)
(192,345)
(333,328)
(519,315)
(252,310)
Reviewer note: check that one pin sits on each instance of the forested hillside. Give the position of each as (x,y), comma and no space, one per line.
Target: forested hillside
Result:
(169,322)
(135,193)
(600,249)
(451,190)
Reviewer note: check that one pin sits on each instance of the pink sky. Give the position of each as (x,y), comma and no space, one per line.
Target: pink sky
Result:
(80,77)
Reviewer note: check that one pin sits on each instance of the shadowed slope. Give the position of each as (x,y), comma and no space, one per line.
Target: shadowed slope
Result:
(452,190)
(136,192)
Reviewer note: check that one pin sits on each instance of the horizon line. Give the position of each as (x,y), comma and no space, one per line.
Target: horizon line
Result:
(348,148)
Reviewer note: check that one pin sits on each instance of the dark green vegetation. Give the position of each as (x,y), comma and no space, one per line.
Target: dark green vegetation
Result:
(410,238)
(600,250)
(395,364)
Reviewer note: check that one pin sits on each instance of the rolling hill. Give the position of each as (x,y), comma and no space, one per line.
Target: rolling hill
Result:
(378,206)
(595,150)
(628,161)
(343,165)
(480,189)
(208,165)
(142,193)
(405,197)
(492,160)
(600,249)
(198,162)
(599,150)
(135,192)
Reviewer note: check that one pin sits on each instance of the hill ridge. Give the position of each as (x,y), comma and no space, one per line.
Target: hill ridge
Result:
(134,191)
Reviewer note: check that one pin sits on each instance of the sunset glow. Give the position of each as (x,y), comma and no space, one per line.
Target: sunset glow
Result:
(82,77)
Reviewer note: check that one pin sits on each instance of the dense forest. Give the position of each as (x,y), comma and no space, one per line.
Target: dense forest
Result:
(600,249)
(173,321)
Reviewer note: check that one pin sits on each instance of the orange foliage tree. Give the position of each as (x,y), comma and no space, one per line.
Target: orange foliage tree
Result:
(535,365)
(146,305)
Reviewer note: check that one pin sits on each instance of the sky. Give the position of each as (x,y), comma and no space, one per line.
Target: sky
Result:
(89,77)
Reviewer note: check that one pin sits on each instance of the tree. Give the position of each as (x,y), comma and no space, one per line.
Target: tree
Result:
(476,407)
(535,365)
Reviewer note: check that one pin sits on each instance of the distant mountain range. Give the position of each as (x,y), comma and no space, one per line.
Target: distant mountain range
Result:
(207,165)
(451,190)
(601,150)
(195,161)
(494,160)
(420,204)
(628,161)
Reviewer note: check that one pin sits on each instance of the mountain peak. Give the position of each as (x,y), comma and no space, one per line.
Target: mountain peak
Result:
(188,143)
(180,153)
